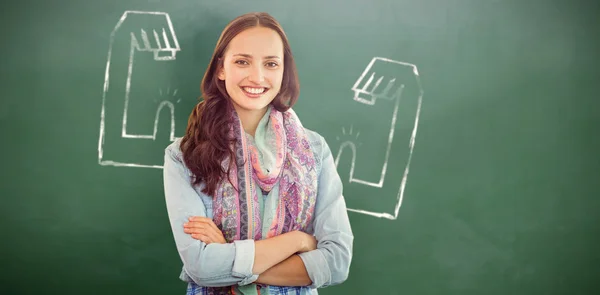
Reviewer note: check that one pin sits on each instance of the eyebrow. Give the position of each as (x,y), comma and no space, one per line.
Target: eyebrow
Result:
(250,56)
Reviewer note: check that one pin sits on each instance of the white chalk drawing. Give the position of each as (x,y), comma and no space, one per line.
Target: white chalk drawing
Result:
(157,43)
(368,95)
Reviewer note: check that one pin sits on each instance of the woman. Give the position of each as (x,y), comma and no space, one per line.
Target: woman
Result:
(254,199)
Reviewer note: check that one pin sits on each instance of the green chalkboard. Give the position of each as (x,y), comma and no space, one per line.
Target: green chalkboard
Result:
(466,134)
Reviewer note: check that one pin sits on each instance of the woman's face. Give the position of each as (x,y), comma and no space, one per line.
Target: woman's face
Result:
(253,69)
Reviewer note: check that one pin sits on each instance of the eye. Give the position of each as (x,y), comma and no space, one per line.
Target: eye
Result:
(241,62)
(272,64)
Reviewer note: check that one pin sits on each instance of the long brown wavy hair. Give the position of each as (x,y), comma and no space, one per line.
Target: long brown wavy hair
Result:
(206,143)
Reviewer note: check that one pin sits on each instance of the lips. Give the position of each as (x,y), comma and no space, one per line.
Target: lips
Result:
(254,92)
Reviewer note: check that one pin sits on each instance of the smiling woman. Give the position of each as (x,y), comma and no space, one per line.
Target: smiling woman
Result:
(253,72)
(254,199)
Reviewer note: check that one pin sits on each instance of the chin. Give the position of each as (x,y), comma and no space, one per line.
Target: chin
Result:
(255,107)
(248,105)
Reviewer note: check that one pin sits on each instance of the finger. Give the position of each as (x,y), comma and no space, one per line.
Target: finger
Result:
(214,226)
(201,228)
(218,237)
(199,218)
(212,235)
(206,232)
(193,230)
(215,233)
(205,220)
(195,224)
(202,238)
(215,236)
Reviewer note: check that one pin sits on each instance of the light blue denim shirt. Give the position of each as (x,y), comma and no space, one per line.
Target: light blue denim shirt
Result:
(231,264)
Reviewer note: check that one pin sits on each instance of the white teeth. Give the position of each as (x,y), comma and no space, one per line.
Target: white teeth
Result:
(254,90)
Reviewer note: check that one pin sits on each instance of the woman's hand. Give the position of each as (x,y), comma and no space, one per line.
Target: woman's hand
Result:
(204,229)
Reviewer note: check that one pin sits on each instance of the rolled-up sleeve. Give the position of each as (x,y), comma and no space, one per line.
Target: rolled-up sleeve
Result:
(212,265)
(329,264)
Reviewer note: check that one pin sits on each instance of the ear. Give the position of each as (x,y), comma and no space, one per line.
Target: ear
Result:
(221,74)
(221,71)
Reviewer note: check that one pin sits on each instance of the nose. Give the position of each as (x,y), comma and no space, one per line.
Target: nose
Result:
(256,75)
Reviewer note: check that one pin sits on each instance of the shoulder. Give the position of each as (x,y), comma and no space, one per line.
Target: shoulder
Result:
(314,137)
(174,162)
(174,155)
(173,148)
(319,146)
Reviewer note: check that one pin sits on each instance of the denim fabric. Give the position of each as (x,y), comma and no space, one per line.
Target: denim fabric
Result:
(231,264)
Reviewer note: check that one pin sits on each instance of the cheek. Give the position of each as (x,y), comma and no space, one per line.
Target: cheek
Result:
(276,79)
(233,76)
(230,70)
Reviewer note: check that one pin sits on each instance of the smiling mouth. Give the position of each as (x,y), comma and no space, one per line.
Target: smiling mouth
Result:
(255,90)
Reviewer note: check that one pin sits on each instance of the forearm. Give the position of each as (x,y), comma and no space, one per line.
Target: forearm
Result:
(290,272)
(269,252)
(214,264)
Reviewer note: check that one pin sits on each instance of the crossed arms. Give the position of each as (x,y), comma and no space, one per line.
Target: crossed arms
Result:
(291,259)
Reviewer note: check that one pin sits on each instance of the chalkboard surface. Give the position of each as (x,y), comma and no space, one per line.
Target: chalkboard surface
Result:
(466,134)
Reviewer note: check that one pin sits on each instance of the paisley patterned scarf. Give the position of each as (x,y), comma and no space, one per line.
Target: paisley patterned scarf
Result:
(281,154)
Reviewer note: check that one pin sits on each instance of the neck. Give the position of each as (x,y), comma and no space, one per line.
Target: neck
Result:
(250,119)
